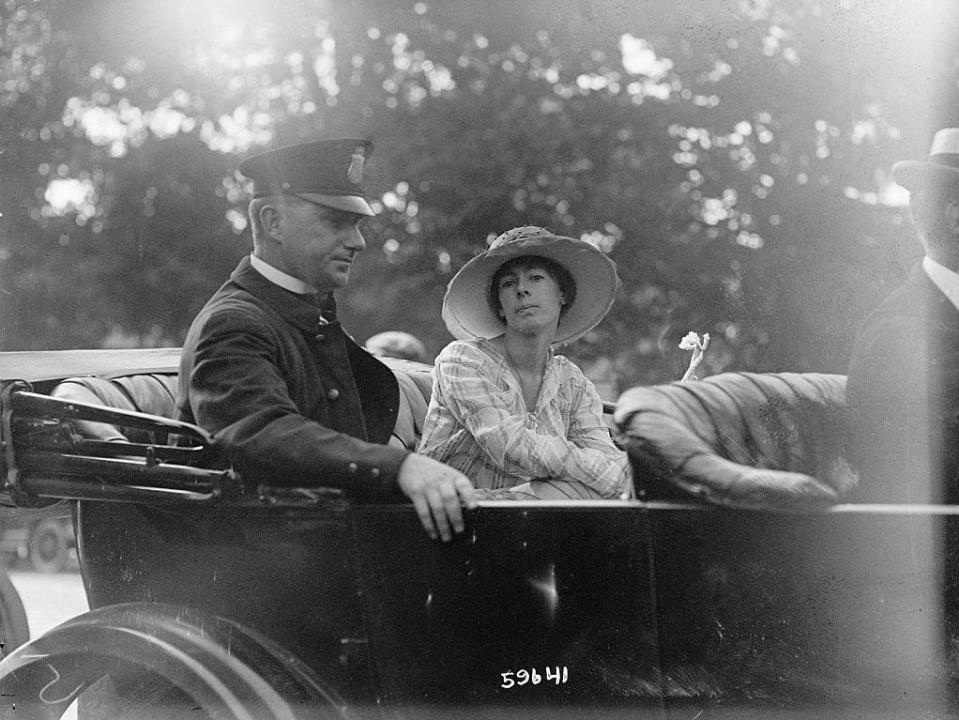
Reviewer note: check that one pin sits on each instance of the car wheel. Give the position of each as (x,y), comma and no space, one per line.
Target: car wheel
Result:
(48,548)
(14,630)
(161,662)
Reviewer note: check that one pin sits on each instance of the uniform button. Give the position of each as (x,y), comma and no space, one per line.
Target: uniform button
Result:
(375,472)
(333,394)
(352,468)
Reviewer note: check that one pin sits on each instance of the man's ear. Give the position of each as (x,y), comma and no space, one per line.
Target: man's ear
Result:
(952,216)
(270,221)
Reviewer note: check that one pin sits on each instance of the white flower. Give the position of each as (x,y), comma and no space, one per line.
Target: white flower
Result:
(692,342)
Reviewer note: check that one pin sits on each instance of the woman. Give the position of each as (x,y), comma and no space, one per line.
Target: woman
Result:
(517,419)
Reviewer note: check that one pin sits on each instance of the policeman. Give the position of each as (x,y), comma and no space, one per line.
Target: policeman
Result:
(267,368)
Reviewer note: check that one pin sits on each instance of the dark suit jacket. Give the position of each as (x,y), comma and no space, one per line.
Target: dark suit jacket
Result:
(290,401)
(903,396)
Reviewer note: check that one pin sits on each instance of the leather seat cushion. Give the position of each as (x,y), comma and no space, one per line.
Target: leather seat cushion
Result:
(761,440)
(154,394)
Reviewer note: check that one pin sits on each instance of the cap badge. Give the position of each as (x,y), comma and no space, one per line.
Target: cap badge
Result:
(355,172)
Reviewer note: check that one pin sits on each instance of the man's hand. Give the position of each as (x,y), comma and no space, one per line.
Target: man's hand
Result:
(438,493)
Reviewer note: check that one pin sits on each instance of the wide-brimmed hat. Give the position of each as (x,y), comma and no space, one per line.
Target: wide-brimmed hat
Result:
(942,165)
(325,172)
(468,315)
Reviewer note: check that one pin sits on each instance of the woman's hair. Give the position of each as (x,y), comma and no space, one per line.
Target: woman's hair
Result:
(560,274)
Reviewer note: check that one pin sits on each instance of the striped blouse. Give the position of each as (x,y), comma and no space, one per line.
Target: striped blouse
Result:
(478,423)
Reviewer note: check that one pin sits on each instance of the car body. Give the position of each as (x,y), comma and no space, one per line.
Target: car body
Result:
(642,608)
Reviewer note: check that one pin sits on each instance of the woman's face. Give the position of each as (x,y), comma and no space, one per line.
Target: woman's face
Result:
(530,299)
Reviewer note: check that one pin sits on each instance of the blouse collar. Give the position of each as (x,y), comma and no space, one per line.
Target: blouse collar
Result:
(550,385)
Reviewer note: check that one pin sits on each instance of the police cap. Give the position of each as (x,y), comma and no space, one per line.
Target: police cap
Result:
(326,172)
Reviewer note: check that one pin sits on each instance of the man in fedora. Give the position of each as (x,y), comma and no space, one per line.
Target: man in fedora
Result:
(903,382)
(269,371)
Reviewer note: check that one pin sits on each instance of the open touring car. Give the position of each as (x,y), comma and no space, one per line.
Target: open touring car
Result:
(708,596)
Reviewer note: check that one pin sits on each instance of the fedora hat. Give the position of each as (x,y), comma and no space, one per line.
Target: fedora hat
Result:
(468,316)
(942,165)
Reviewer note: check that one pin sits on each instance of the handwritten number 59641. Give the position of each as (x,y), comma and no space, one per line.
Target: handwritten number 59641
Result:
(517,678)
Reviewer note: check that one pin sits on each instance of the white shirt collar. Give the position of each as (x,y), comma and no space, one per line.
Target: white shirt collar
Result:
(943,278)
(278,277)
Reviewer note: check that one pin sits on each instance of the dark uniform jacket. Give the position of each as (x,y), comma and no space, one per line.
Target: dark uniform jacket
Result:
(291,401)
(903,396)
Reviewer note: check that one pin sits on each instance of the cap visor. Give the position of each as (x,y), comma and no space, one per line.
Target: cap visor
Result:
(349,203)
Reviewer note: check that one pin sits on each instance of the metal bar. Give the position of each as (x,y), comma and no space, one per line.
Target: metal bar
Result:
(27,404)
(117,449)
(173,477)
(91,489)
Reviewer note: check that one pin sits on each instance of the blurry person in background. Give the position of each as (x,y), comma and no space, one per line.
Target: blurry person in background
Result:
(521,421)
(404,346)
(903,381)
(397,344)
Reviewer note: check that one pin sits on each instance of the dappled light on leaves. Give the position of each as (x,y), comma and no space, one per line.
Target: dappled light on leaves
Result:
(731,158)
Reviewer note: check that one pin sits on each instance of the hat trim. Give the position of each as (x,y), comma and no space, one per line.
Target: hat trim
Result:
(325,192)
(945,159)
(348,203)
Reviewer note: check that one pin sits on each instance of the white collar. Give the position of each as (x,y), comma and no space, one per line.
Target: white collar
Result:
(278,277)
(943,278)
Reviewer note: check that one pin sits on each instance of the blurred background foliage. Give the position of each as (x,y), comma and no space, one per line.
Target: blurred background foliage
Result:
(730,155)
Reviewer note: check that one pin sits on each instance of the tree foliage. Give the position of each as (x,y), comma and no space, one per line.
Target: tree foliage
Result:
(731,156)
